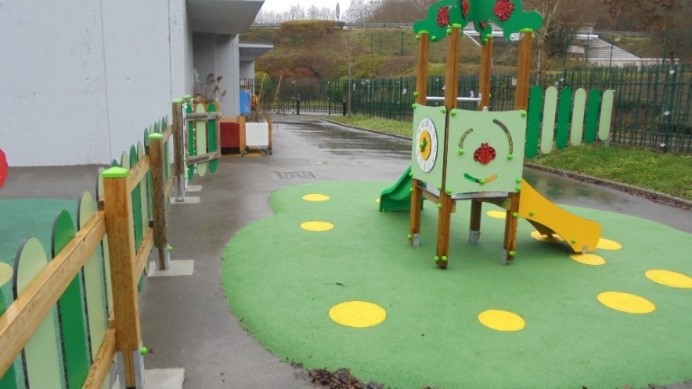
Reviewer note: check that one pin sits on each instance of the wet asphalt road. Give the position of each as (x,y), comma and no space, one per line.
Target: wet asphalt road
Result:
(186,320)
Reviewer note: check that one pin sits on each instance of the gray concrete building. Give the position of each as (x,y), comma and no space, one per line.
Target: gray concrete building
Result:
(80,80)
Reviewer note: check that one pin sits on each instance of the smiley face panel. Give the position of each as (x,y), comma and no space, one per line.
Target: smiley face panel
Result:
(486,151)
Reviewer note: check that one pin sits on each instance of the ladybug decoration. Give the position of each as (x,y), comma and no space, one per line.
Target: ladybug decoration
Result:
(503,9)
(3,168)
(443,17)
(484,154)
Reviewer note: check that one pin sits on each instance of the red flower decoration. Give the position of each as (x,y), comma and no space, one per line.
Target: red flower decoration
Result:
(465,8)
(485,154)
(503,9)
(3,168)
(443,17)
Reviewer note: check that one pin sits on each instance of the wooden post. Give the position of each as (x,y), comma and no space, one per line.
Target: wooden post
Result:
(486,72)
(521,101)
(511,224)
(271,133)
(451,93)
(241,135)
(484,90)
(178,151)
(422,99)
(521,95)
(121,249)
(159,200)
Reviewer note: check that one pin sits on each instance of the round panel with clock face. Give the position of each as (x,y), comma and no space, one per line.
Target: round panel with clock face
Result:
(427,145)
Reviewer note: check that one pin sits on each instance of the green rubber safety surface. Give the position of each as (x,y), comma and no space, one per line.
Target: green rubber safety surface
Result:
(36,216)
(290,286)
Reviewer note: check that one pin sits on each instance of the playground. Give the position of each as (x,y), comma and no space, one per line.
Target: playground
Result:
(344,266)
(388,272)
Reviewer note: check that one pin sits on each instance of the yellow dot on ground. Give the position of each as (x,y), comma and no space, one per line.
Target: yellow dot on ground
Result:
(497,214)
(546,238)
(625,302)
(610,245)
(377,200)
(357,314)
(317,226)
(5,273)
(588,259)
(670,278)
(502,321)
(317,198)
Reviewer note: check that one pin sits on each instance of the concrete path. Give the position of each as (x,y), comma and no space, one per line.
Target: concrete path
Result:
(186,321)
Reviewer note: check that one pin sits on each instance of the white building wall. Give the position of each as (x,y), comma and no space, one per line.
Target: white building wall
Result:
(181,49)
(137,58)
(247,70)
(219,54)
(81,79)
(53,84)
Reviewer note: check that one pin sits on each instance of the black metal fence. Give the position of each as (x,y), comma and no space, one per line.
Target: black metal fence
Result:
(652,104)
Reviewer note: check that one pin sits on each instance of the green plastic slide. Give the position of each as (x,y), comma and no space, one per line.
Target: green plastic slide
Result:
(398,196)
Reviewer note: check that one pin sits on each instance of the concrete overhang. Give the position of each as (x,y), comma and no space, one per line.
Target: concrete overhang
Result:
(251,51)
(227,17)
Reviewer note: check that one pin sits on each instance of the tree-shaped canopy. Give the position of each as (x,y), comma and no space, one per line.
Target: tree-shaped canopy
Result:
(507,14)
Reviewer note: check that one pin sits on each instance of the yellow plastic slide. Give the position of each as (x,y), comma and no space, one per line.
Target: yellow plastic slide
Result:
(581,234)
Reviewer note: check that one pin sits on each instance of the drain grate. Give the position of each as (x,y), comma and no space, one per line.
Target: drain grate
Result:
(296,175)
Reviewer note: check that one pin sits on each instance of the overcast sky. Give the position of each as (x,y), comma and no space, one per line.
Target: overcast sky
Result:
(285,5)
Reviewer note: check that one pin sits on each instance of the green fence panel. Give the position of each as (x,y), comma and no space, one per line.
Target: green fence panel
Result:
(73,326)
(43,353)
(533,121)
(593,108)
(564,114)
(9,380)
(577,133)
(136,196)
(94,285)
(211,136)
(548,128)
(606,115)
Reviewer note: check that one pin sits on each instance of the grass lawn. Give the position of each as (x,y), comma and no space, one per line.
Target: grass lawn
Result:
(665,173)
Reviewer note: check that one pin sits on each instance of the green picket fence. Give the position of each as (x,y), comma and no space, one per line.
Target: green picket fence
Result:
(651,105)
(61,351)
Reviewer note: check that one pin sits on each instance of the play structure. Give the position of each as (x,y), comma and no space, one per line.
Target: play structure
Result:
(477,155)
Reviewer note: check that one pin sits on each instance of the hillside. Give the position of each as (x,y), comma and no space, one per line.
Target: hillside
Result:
(324,50)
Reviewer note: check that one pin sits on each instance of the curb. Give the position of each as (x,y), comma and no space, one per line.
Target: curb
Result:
(641,192)
(658,197)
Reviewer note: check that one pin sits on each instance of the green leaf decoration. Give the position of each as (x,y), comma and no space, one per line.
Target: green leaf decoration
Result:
(437,30)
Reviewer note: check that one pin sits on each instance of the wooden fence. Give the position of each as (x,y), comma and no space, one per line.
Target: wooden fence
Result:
(74,309)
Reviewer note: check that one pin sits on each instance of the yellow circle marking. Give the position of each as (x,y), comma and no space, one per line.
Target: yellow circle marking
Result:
(497,214)
(377,200)
(317,198)
(670,278)
(607,244)
(625,302)
(5,273)
(358,314)
(504,321)
(317,226)
(588,259)
(546,238)
(427,150)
